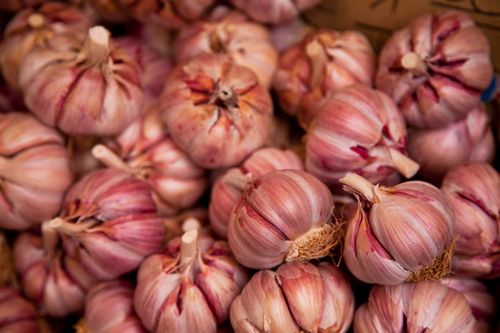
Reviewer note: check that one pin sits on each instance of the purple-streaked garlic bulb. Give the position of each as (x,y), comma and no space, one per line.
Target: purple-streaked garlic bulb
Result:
(322,64)
(247,43)
(284,215)
(228,189)
(17,315)
(473,191)
(298,297)
(109,309)
(358,130)
(82,87)
(425,306)
(109,222)
(289,33)
(32,28)
(146,151)
(399,233)
(189,286)
(216,110)
(436,68)
(439,150)
(34,171)
(273,11)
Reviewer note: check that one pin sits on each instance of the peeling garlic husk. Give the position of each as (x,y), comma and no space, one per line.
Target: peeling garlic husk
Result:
(473,191)
(298,297)
(34,171)
(414,307)
(215,110)
(228,189)
(399,233)
(436,68)
(276,11)
(17,315)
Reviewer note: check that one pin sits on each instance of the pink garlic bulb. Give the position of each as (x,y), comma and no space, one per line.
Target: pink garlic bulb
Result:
(467,140)
(228,189)
(247,43)
(17,315)
(436,68)
(215,110)
(145,151)
(414,307)
(273,11)
(32,28)
(16,5)
(109,309)
(481,302)
(359,130)
(298,297)
(289,33)
(157,37)
(82,87)
(114,11)
(284,215)
(188,287)
(109,222)
(399,233)
(322,64)
(34,171)
(189,219)
(473,191)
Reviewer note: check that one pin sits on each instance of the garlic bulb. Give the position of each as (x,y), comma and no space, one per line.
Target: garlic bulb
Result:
(109,222)
(399,233)
(227,190)
(16,5)
(34,171)
(473,191)
(145,151)
(359,130)
(466,140)
(82,88)
(322,64)
(481,302)
(32,28)
(109,309)
(215,110)
(283,215)
(414,307)
(189,219)
(189,287)
(298,297)
(114,11)
(80,155)
(247,43)
(289,33)
(275,11)
(17,315)
(436,68)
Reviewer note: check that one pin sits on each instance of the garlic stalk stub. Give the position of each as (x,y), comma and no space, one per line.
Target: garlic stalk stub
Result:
(283,216)
(414,307)
(276,11)
(322,64)
(17,315)
(358,130)
(436,68)
(215,110)
(473,191)
(34,171)
(82,88)
(189,286)
(298,297)
(227,190)
(399,233)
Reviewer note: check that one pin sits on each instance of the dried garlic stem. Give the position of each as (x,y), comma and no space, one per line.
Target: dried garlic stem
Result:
(189,245)
(318,59)
(238,180)
(191,224)
(96,48)
(405,165)
(109,158)
(69,228)
(316,243)
(36,20)
(360,185)
(50,238)
(412,62)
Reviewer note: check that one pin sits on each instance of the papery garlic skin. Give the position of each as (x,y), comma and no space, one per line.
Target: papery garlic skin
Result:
(298,297)
(436,68)
(414,307)
(466,140)
(82,87)
(473,191)
(215,110)
(322,64)
(247,43)
(32,28)
(359,129)
(276,11)
(17,315)
(397,232)
(283,216)
(225,195)
(34,171)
